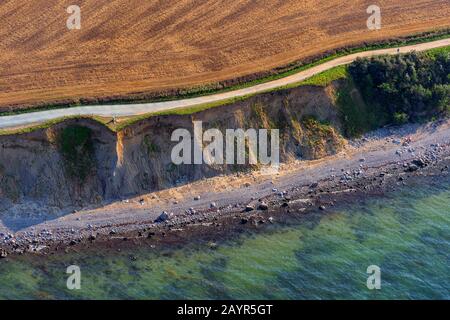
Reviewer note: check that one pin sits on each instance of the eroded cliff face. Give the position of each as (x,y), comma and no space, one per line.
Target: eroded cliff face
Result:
(81,162)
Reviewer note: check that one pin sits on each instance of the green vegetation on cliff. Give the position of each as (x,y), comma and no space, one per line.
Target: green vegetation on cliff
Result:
(385,90)
(77,148)
(410,87)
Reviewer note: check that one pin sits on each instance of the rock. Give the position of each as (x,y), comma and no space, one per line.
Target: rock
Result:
(72,242)
(263,206)
(197,198)
(3,254)
(285,205)
(92,237)
(164,216)
(323,208)
(112,232)
(271,219)
(213,205)
(244,220)
(419,162)
(249,208)
(412,168)
(212,245)
(314,185)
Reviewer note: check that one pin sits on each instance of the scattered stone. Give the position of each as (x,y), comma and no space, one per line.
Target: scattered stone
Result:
(263,206)
(249,208)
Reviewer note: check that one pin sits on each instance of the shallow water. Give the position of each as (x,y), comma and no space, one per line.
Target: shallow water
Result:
(322,256)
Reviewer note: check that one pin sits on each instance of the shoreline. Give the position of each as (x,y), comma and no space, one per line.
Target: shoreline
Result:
(382,161)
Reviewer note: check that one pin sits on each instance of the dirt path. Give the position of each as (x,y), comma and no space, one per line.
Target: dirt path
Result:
(137,109)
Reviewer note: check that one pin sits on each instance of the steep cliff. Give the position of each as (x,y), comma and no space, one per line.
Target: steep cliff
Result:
(80,162)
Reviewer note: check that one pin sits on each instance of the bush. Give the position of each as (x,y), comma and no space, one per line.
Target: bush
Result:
(409,87)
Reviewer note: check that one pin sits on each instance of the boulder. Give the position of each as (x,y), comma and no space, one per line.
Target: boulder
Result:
(419,162)
(263,206)
(249,208)
(164,216)
(314,185)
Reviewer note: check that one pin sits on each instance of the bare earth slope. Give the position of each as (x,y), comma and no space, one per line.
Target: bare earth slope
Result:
(132,46)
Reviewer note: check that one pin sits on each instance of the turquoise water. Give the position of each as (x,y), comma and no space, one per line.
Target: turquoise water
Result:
(321,256)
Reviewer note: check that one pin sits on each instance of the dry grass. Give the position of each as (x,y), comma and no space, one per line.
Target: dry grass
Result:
(143,46)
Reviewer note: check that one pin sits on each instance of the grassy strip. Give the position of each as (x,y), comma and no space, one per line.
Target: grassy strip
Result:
(51,123)
(279,73)
(179,111)
(322,79)
(437,51)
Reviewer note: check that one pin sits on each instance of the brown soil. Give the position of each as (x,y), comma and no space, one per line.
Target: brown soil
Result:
(150,46)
